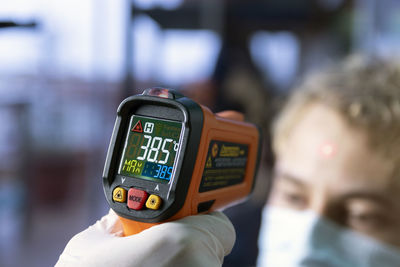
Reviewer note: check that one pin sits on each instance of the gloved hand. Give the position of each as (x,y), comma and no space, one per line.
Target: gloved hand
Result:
(201,240)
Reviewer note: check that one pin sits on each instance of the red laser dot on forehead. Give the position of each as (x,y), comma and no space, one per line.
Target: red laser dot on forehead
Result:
(328,150)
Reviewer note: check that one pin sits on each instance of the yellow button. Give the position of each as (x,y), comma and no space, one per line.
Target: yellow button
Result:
(153,202)
(119,194)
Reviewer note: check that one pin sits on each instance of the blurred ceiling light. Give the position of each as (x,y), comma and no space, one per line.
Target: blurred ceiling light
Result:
(166,4)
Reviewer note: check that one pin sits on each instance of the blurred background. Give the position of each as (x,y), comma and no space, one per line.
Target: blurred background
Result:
(65,66)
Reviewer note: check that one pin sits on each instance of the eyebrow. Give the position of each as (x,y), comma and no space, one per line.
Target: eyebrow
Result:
(383,200)
(290,178)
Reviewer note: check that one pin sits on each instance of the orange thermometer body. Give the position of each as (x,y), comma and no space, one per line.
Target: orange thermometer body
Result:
(170,157)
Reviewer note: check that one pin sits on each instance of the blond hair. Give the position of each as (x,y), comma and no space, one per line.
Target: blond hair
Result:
(365,91)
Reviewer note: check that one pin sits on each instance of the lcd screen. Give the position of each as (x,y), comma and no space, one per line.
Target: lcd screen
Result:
(150,148)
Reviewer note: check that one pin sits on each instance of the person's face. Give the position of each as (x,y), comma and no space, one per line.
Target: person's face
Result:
(327,166)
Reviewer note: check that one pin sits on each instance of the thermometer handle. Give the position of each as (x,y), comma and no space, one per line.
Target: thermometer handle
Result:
(132,227)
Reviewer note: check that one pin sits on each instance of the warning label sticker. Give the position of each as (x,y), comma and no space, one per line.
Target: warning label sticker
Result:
(225,165)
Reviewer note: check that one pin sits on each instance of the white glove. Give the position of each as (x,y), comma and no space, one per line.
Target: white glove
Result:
(201,240)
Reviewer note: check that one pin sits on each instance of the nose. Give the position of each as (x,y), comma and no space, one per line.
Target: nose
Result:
(323,205)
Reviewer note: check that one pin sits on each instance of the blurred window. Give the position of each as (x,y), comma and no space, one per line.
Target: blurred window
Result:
(173,57)
(82,39)
(377,27)
(277,55)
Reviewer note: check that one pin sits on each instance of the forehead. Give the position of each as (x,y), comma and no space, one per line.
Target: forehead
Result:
(323,148)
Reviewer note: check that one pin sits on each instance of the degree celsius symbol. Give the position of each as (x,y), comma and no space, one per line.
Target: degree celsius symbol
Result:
(176,146)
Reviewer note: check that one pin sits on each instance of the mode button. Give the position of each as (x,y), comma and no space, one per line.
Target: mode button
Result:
(136,198)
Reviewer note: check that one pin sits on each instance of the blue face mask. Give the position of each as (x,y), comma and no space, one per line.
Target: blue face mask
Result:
(291,238)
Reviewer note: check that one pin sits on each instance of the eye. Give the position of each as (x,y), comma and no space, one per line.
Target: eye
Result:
(363,221)
(295,199)
(289,195)
(365,217)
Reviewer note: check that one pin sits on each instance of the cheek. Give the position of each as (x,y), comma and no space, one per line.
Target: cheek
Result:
(388,234)
(277,199)
(276,196)
(273,197)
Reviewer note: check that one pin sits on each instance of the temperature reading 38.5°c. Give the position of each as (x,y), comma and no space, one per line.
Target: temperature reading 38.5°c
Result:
(151,152)
(150,148)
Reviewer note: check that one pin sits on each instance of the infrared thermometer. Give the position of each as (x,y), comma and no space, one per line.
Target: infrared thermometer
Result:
(170,157)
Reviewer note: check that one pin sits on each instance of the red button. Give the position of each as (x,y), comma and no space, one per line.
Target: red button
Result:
(136,198)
